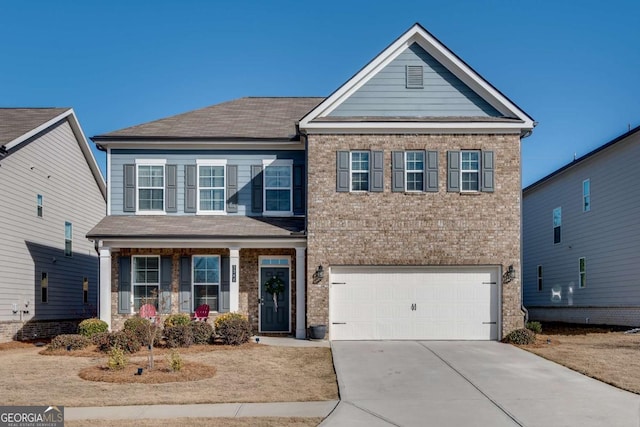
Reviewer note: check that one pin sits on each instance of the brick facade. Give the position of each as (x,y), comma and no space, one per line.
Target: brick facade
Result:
(413,228)
(35,329)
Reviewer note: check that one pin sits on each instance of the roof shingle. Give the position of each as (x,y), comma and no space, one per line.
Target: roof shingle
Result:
(15,122)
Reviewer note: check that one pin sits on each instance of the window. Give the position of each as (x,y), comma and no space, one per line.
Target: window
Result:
(582,266)
(414,77)
(586,195)
(277,187)
(146,280)
(557,225)
(539,277)
(211,186)
(206,281)
(68,239)
(150,187)
(44,287)
(359,171)
(470,170)
(39,204)
(85,290)
(414,169)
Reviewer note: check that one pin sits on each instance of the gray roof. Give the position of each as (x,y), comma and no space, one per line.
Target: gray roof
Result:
(196,227)
(15,122)
(244,118)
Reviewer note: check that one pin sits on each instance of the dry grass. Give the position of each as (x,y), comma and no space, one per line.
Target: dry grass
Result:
(606,354)
(202,422)
(249,373)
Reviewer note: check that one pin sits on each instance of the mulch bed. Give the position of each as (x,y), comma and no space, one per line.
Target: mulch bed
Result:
(161,373)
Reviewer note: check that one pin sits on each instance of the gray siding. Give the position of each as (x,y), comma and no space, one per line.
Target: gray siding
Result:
(443,93)
(181,158)
(608,236)
(30,244)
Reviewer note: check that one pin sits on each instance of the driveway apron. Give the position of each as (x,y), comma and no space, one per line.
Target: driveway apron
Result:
(471,383)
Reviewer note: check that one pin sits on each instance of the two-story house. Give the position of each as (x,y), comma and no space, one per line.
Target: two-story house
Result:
(52,194)
(582,238)
(389,210)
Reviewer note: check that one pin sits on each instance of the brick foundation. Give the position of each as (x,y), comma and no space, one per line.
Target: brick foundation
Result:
(35,329)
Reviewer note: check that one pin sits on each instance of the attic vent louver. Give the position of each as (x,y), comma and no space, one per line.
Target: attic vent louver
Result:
(414,77)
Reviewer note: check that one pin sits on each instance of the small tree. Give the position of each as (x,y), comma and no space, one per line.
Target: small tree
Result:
(153,327)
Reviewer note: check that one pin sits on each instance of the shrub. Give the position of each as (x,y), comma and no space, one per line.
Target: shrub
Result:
(117,359)
(124,340)
(177,319)
(143,329)
(70,341)
(202,332)
(178,336)
(90,327)
(535,327)
(520,336)
(233,328)
(175,361)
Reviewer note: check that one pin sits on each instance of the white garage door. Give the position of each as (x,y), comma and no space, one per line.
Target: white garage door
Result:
(413,303)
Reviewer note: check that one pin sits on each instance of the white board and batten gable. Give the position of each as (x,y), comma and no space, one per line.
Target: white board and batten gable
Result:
(417,85)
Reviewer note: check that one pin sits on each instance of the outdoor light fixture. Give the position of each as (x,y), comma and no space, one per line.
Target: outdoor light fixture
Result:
(509,275)
(257,340)
(318,275)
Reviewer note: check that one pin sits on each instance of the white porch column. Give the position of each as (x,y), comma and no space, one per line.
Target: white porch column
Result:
(234,279)
(104,286)
(301,274)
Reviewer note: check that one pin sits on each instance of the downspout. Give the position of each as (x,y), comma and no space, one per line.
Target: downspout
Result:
(522,307)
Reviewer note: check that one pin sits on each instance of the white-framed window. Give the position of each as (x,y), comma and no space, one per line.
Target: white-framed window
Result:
(44,286)
(278,187)
(150,185)
(557,225)
(470,171)
(206,281)
(539,270)
(211,186)
(85,290)
(40,206)
(586,195)
(145,280)
(359,161)
(414,170)
(582,267)
(68,239)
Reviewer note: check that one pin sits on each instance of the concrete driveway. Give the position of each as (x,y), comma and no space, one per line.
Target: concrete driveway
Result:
(478,383)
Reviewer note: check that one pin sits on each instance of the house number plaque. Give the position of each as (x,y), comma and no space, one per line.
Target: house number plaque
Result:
(233,273)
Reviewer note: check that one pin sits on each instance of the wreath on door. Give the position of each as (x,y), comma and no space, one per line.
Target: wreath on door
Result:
(274,286)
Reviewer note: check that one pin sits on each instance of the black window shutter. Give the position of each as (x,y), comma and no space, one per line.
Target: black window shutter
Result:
(232,188)
(397,171)
(124,285)
(223,304)
(487,171)
(431,171)
(342,171)
(298,189)
(376,171)
(166,272)
(129,188)
(185,284)
(256,188)
(171,188)
(190,189)
(453,171)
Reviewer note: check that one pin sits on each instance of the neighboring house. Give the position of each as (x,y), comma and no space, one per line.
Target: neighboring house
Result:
(52,194)
(389,210)
(581,238)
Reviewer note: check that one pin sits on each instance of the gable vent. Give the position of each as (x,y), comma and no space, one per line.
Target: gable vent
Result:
(414,77)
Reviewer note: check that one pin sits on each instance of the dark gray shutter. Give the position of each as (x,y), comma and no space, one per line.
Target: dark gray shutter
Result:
(487,171)
(342,171)
(453,171)
(232,188)
(124,285)
(223,304)
(298,189)
(171,188)
(431,171)
(376,171)
(256,188)
(166,272)
(129,188)
(185,284)
(190,188)
(397,171)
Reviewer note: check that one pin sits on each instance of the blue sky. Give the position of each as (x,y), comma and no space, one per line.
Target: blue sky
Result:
(574,66)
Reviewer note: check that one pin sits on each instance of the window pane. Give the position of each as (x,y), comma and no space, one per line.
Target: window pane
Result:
(278,200)
(470,181)
(557,217)
(277,176)
(359,161)
(206,269)
(415,160)
(415,181)
(470,160)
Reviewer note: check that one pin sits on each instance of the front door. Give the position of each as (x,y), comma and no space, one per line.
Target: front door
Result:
(274,307)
